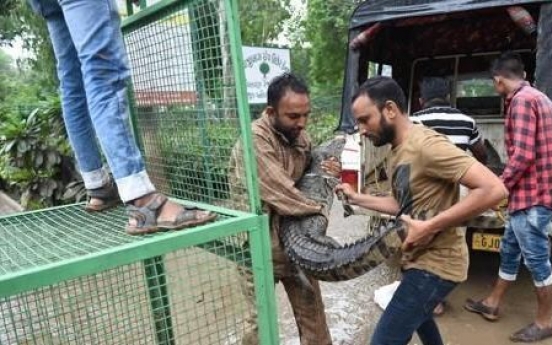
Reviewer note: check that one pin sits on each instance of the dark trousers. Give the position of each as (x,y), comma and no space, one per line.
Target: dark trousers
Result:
(411,310)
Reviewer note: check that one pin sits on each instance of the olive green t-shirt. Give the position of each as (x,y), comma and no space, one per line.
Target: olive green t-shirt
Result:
(425,171)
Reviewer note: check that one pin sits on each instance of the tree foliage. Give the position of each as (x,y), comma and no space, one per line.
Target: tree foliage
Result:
(35,158)
(326,30)
(262,20)
(9,28)
(18,22)
(6,75)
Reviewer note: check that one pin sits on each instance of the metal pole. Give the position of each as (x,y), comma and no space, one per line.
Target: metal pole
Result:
(261,258)
(154,268)
(159,300)
(200,89)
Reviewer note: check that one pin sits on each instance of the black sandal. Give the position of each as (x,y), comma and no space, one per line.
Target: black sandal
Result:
(108,195)
(488,313)
(146,217)
(531,333)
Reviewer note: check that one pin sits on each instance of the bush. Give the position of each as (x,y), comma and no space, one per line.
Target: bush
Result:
(196,153)
(35,158)
(197,160)
(324,118)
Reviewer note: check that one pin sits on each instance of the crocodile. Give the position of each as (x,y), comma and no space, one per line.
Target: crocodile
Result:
(313,252)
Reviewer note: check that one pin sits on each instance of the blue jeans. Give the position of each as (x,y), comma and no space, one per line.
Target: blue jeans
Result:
(526,235)
(411,310)
(93,71)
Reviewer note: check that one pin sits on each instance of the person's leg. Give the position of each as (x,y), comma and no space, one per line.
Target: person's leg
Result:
(411,308)
(99,45)
(429,333)
(281,267)
(308,309)
(73,98)
(544,306)
(510,258)
(533,239)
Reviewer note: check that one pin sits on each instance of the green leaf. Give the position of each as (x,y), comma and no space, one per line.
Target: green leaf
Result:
(22,146)
(39,159)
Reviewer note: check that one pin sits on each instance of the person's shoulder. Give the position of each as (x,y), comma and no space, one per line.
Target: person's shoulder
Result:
(529,93)
(447,112)
(460,116)
(260,127)
(421,133)
(441,114)
(262,134)
(423,137)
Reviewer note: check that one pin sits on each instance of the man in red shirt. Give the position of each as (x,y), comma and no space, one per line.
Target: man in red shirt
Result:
(528,177)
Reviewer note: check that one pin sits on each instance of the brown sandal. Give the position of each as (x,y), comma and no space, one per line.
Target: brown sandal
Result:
(108,195)
(146,217)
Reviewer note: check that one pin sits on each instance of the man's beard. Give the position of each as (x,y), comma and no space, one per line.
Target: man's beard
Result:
(290,134)
(385,136)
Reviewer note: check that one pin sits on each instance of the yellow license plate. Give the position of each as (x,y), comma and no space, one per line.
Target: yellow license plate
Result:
(486,242)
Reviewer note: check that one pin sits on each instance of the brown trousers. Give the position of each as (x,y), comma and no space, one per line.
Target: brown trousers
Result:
(306,302)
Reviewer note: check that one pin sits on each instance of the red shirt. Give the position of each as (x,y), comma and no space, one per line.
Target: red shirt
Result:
(528,138)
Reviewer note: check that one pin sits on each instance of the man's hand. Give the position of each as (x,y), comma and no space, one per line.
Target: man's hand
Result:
(418,232)
(332,167)
(501,205)
(346,190)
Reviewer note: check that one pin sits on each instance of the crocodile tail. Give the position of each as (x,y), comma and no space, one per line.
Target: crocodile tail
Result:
(327,262)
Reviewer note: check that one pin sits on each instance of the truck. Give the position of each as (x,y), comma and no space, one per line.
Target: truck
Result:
(455,39)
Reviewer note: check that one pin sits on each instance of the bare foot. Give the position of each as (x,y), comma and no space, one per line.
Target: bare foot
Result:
(439,309)
(96,202)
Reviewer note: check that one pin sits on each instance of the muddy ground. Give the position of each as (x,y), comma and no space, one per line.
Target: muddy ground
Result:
(352,313)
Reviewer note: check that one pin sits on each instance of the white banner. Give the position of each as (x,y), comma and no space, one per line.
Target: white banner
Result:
(261,66)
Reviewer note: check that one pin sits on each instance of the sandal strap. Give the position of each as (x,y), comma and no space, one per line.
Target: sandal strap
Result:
(147,215)
(106,191)
(188,214)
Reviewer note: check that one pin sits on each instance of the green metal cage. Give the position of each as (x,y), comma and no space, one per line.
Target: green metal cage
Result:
(71,277)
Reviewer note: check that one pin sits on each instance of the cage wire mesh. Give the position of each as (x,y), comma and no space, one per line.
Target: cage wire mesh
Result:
(190,296)
(184,108)
(185,100)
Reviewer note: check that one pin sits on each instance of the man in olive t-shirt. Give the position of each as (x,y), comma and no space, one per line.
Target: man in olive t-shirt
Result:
(426,170)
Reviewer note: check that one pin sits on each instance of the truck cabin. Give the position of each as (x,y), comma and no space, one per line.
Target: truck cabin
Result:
(412,39)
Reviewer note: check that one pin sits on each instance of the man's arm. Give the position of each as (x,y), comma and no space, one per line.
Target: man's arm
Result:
(477,145)
(277,188)
(524,123)
(479,151)
(382,204)
(486,190)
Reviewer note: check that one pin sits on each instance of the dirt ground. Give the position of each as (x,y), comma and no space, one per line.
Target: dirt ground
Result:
(460,327)
(352,313)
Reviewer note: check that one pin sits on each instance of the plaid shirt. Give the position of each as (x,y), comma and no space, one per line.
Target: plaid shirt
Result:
(528,137)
